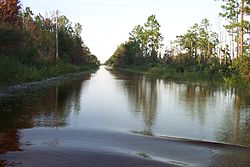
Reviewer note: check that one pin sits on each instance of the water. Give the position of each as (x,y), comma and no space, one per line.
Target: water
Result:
(126,102)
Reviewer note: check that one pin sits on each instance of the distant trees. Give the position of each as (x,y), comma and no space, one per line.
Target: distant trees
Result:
(237,12)
(199,42)
(28,45)
(29,37)
(199,50)
(128,53)
(142,47)
(148,37)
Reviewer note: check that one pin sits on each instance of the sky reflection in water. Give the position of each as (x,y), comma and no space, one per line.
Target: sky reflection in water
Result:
(122,101)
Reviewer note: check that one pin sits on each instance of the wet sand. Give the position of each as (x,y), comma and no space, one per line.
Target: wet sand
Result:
(99,148)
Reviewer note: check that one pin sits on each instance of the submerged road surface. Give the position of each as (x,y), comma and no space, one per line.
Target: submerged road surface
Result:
(117,119)
(93,148)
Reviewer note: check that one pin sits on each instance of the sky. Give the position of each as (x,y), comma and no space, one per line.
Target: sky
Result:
(107,23)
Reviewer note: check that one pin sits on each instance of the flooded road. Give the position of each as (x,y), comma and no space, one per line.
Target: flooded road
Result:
(107,113)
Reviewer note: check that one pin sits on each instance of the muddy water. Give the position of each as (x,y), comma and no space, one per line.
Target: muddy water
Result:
(94,108)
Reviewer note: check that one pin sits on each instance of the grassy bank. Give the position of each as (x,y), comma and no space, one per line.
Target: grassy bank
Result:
(179,74)
(15,71)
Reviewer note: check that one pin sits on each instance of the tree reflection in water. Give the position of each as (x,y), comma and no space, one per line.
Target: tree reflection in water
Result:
(142,96)
(43,107)
(203,111)
(199,99)
(192,110)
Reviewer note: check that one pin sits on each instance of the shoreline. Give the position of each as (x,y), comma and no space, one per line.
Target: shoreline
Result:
(183,77)
(27,85)
(15,72)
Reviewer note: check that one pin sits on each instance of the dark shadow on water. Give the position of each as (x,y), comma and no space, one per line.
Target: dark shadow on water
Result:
(47,106)
(41,107)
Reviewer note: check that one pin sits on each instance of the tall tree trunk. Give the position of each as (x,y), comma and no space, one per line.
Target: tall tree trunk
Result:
(241,28)
(209,51)
(195,54)
(220,53)
(191,50)
(232,48)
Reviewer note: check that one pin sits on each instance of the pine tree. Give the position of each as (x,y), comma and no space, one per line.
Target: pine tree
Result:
(237,13)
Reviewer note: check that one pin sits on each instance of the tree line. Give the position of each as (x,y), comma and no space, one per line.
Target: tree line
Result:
(200,50)
(24,34)
(142,47)
(29,41)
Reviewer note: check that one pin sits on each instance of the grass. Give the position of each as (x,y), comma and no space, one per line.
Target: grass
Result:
(166,73)
(14,71)
(171,73)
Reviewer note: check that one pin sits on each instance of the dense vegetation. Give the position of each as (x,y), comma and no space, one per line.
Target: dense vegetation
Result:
(197,54)
(28,45)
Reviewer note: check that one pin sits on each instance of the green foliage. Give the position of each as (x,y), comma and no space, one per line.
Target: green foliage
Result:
(128,53)
(142,46)
(197,60)
(199,41)
(236,13)
(10,39)
(148,37)
(28,44)
(245,67)
(115,59)
(14,71)
(36,37)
